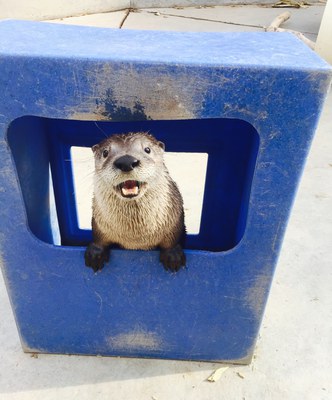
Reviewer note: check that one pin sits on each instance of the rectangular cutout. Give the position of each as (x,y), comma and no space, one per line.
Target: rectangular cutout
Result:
(212,160)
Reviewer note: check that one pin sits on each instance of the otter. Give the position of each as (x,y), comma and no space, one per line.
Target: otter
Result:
(136,204)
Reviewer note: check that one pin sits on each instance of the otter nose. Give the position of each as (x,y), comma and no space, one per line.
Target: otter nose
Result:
(126,163)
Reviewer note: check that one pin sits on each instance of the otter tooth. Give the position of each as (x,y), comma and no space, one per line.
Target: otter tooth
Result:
(130,191)
(129,188)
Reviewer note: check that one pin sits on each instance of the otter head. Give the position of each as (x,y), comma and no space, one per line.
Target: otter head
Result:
(128,164)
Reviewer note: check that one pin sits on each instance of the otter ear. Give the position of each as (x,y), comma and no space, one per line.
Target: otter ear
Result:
(162,145)
(95,148)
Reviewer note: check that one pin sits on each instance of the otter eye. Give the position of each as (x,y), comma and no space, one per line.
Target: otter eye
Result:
(147,150)
(105,153)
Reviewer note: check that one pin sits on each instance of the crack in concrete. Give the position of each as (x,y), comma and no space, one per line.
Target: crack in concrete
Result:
(128,11)
(201,19)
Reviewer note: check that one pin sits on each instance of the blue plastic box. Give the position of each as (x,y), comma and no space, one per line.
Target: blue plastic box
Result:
(249,100)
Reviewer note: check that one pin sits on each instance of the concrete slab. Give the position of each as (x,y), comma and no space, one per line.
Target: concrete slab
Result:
(305,20)
(49,9)
(220,18)
(252,15)
(155,20)
(101,20)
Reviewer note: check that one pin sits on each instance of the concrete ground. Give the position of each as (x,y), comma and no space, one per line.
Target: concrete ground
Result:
(293,354)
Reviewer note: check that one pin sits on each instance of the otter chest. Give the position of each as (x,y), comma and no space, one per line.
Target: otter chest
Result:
(135,224)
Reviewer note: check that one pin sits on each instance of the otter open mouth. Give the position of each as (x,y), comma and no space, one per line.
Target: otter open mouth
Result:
(129,188)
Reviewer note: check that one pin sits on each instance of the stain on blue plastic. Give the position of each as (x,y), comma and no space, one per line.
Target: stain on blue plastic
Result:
(249,100)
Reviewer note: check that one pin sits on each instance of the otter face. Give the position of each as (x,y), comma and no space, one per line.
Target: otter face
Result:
(128,163)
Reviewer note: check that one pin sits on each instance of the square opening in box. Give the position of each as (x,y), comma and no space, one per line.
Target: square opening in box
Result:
(218,155)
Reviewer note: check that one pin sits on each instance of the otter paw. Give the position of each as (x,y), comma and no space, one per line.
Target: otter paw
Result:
(173,259)
(95,257)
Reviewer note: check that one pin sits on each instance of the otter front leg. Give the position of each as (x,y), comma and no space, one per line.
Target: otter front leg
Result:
(98,251)
(173,258)
(96,256)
